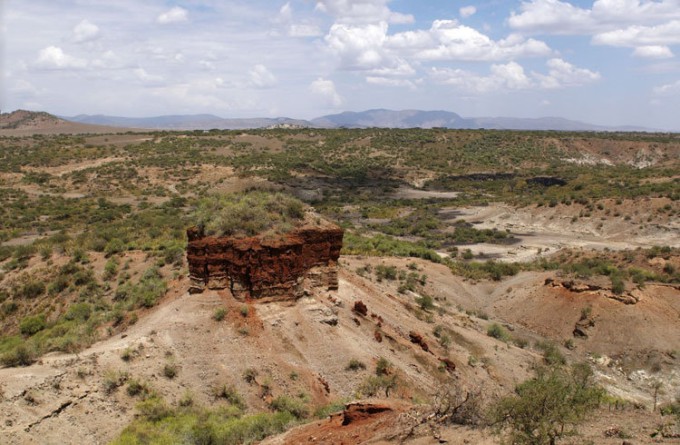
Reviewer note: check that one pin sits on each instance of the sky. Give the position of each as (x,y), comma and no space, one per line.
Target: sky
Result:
(608,62)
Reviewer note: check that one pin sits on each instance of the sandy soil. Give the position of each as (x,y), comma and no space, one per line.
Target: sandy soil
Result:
(544,231)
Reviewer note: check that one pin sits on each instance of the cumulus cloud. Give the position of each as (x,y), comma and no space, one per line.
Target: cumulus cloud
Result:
(452,41)
(467,11)
(54,57)
(639,24)
(362,11)
(563,74)
(511,76)
(552,16)
(633,36)
(653,52)
(174,15)
(85,31)
(369,47)
(326,89)
(261,77)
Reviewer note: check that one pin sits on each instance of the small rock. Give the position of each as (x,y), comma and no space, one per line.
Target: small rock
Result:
(331,321)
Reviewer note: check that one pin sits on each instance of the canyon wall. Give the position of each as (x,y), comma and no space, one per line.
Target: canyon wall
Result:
(266,268)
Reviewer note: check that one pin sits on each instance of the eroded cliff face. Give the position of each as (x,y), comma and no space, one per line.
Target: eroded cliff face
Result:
(266,269)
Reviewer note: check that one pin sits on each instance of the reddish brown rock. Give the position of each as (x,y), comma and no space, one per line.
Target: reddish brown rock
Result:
(360,308)
(418,339)
(358,411)
(278,268)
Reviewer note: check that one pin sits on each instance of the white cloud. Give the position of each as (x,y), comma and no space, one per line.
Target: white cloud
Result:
(467,11)
(668,89)
(448,40)
(633,36)
(628,11)
(359,47)
(640,24)
(362,11)
(390,82)
(174,15)
(145,77)
(512,77)
(326,89)
(369,47)
(304,30)
(653,52)
(563,74)
(108,60)
(294,28)
(552,16)
(54,57)
(85,31)
(261,77)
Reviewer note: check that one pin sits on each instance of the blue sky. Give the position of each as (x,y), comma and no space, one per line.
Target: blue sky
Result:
(611,62)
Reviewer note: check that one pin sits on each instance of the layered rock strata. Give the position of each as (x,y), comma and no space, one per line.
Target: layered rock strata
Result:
(266,268)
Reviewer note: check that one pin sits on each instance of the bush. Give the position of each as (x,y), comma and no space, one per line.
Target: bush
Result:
(154,409)
(383,367)
(32,325)
(170,370)
(498,332)
(31,289)
(232,396)
(22,355)
(219,314)
(248,214)
(425,302)
(355,365)
(547,407)
(551,354)
(288,404)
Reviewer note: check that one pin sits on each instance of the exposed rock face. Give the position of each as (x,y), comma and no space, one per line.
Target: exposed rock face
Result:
(266,269)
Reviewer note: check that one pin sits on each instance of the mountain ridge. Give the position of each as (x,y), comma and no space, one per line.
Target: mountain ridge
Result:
(373,118)
(379,117)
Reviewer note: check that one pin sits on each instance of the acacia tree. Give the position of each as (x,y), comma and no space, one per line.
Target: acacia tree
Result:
(548,407)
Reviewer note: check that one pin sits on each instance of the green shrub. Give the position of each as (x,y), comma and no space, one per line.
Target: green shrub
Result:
(288,404)
(548,407)
(32,325)
(232,396)
(551,354)
(498,332)
(425,302)
(170,370)
(21,355)
(31,289)
(383,367)
(248,213)
(219,314)
(355,365)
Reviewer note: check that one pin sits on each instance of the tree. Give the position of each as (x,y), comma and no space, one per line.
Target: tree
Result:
(548,407)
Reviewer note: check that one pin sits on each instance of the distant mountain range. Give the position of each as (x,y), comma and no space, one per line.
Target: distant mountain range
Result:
(371,118)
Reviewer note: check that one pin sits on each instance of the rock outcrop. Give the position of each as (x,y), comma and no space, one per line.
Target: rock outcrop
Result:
(266,268)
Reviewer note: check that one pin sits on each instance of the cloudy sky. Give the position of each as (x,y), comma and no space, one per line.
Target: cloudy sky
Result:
(607,62)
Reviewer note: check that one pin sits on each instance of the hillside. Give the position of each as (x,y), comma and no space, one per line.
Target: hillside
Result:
(470,259)
(22,123)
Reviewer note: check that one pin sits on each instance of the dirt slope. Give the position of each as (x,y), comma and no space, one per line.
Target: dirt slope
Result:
(63,396)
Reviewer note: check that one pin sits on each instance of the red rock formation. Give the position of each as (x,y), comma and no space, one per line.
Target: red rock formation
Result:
(270,269)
